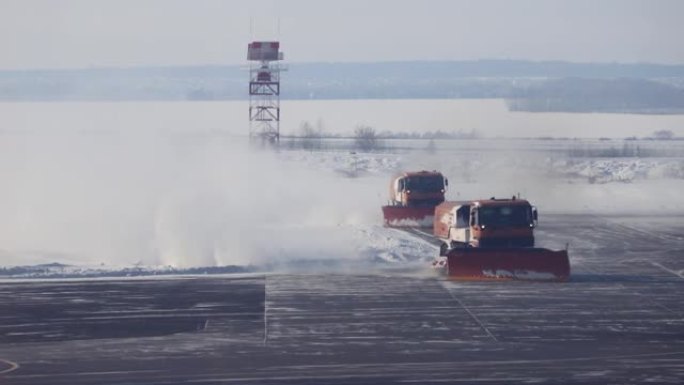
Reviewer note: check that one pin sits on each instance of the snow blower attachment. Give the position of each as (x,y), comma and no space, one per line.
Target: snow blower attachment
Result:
(534,264)
(413,197)
(493,239)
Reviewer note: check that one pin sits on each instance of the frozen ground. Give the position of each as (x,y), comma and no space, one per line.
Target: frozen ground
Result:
(299,281)
(619,320)
(97,189)
(490,118)
(281,211)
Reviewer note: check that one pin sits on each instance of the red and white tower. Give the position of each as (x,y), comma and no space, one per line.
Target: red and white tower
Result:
(264,90)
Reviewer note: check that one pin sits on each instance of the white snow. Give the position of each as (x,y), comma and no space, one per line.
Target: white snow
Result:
(424,222)
(524,274)
(108,192)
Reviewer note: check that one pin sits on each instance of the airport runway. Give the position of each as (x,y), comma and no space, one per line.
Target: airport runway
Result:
(620,320)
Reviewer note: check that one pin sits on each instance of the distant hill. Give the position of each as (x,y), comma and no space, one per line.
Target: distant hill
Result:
(600,95)
(510,79)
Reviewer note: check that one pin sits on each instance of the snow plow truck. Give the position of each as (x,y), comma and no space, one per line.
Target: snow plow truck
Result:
(413,198)
(494,239)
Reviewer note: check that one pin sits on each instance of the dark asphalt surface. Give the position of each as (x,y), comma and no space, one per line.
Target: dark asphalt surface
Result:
(620,320)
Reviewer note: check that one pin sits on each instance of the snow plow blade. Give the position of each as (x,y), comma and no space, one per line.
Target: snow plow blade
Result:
(398,216)
(532,264)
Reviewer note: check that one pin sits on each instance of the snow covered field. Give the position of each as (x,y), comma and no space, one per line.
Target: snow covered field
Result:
(490,118)
(106,187)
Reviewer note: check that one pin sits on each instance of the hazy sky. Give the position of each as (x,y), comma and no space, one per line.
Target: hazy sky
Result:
(85,33)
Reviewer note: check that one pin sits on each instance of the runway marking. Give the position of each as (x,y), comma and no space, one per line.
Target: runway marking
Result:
(677,273)
(438,369)
(12,366)
(397,368)
(637,293)
(86,374)
(473,316)
(421,235)
(665,237)
(650,300)
(412,365)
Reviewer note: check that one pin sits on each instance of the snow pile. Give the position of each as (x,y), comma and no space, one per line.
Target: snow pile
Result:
(346,163)
(59,270)
(553,183)
(120,205)
(366,248)
(618,170)
(672,169)
(393,246)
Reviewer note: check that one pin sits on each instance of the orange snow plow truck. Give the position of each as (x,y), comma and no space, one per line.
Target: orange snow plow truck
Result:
(494,239)
(413,197)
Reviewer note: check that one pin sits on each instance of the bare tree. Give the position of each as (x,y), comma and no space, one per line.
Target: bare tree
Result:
(310,137)
(663,134)
(365,138)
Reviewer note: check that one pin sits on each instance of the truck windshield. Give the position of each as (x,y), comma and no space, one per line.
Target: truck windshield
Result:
(505,216)
(425,183)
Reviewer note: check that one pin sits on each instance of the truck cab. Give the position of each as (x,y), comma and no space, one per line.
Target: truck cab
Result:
(418,189)
(486,223)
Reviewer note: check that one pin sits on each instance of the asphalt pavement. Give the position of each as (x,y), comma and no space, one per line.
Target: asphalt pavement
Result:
(619,320)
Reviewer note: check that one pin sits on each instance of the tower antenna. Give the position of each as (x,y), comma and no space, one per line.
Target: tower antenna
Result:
(264,90)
